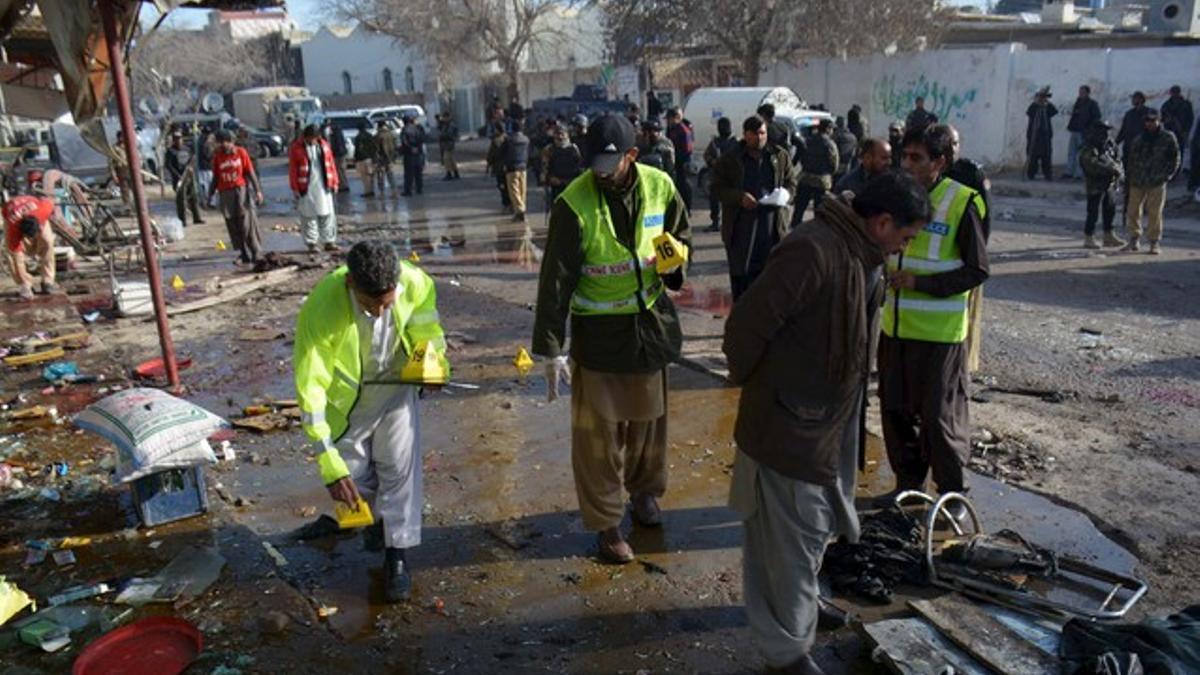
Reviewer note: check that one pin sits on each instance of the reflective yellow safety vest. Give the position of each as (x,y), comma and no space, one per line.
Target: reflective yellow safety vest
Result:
(326,359)
(913,315)
(615,280)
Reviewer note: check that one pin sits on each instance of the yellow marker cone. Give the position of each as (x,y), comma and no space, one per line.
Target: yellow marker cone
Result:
(671,253)
(413,257)
(523,362)
(177,283)
(221,245)
(425,366)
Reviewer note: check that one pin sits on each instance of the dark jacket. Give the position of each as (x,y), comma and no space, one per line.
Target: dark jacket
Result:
(798,343)
(1131,127)
(412,140)
(1084,113)
(515,151)
(1039,132)
(660,155)
(820,162)
(178,160)
(366,146)
(919,118)
(562,164)
(779,135)
(1101,168)
(1178,116)
(847,147)
(727,180)
(337,142)
(1153,159)
(447,135)
(718,147)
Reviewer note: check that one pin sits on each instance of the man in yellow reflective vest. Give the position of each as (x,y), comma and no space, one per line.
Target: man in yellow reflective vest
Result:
(923,353)
(353,336)
(600,267)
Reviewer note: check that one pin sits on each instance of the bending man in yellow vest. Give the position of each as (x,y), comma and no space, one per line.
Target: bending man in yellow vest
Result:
(601,267)
(922,353)
(353,335)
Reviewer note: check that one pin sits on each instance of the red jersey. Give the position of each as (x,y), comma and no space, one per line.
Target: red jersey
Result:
(18,208)
(231,170)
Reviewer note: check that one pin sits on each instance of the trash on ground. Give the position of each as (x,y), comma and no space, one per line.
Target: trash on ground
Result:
(76,593)
(152,430)
(275,555)
(156,369)
(46,634)
(55,372)
(51,354)
(63,558)
(12,600)
(158,645)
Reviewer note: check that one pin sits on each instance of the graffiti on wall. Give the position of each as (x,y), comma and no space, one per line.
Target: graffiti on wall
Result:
(897,99)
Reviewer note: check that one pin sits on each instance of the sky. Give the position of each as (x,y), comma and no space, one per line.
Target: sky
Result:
(308,14)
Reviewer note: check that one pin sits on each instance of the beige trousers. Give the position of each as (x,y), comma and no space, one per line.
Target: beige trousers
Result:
(515,180)
(974,328)
(618,439)
(366,173)
(1152,198)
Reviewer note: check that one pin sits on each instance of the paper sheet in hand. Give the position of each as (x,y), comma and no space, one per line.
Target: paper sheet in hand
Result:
(777,197)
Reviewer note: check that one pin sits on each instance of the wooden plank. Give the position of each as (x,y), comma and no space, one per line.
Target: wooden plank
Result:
(990,642)
(913,647)
(232,293)
(30,359)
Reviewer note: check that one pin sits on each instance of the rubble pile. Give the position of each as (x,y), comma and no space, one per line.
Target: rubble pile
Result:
(1006,458)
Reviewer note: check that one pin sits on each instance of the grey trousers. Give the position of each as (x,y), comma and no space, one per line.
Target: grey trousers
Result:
(319,229)
(788,524)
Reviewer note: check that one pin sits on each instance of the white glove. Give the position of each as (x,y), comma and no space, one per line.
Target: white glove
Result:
(557,369)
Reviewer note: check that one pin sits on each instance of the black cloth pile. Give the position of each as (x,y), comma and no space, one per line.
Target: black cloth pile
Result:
(889,552)
(1156,646)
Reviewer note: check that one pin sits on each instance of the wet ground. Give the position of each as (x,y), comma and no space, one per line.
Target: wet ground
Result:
(505,579)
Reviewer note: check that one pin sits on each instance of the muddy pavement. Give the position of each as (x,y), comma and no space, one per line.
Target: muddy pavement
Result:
(505,579)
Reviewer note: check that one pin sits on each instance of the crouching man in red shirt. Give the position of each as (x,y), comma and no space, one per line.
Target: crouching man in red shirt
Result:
(27,229)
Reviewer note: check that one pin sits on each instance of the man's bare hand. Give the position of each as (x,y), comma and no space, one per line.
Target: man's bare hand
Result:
(345,491)
(902,279)
(748,201)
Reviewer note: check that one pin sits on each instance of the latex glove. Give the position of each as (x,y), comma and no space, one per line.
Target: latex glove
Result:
(333,467)
(557,369)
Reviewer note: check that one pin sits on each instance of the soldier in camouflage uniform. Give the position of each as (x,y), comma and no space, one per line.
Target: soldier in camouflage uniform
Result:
(1102,172)
(1153,159)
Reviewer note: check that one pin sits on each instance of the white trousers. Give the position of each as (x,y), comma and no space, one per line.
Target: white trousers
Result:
(382,449)
(319,229)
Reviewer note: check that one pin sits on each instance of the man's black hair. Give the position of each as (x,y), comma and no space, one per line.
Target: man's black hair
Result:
(373,267)
(311,131)
(896,193)
(935,139)
(766,111)
(867,146)
(29,226)
(223,135)
(1086,89)
(724,126)
(753,123)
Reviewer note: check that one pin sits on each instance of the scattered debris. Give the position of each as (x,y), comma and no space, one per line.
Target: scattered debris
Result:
(276,556)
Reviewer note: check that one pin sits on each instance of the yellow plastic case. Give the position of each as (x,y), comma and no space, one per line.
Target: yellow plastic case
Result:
(348,518)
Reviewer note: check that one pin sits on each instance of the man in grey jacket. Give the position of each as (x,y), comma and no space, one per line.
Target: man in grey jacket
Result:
(820,162)
(799,428)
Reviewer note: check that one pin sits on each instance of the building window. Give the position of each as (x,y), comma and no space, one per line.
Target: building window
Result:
(409,84)
(347,87)
(388,85)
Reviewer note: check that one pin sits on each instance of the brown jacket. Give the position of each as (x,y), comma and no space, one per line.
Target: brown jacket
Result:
(727,187)
(798,341)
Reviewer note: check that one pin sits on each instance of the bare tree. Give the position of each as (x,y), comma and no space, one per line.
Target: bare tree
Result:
(172,65)
(757,33)
(449,32)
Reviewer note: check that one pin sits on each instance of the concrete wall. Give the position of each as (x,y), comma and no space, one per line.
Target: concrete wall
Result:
(984,92)
(364,55)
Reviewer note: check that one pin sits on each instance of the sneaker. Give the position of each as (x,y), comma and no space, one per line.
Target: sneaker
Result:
(1111,240)
(645,510)
(613,547)
(1154,249)
(25,292)
(1132,246)
(1089,241)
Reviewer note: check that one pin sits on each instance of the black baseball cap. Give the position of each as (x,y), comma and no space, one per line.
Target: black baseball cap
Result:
(1151,113)
(608,138)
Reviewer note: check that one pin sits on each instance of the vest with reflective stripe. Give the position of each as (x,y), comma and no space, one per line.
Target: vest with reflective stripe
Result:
(913,315)
(615,280)
(326,358)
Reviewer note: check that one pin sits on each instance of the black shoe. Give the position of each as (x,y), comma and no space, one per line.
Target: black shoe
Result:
(448,177)
(373,537)
(406,193)
(830,617)
(397,584)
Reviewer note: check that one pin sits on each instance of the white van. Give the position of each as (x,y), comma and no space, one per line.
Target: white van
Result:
(708,104)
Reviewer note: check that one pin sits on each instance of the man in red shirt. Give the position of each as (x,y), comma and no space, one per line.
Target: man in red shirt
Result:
(233,178)
(27,228)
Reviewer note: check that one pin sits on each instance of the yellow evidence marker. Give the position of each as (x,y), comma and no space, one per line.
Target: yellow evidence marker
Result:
(177,283)
(221,245)
(425,366)
(523,362)
(348,518)
(671,253)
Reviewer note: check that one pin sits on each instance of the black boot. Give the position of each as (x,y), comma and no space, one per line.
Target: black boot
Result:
(397,582)
(373,537)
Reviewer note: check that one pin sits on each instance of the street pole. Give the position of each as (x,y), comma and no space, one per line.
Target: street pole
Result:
(129,133)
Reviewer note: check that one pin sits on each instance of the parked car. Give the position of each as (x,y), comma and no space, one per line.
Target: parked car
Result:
(349,122)
(397,113)
(270,144)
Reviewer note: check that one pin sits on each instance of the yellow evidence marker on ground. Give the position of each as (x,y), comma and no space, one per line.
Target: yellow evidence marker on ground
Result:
(523,362)
(221,245)
(177,283)
(425,366)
